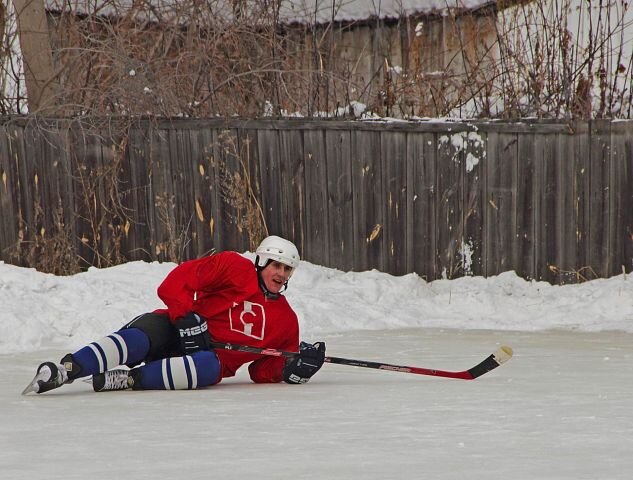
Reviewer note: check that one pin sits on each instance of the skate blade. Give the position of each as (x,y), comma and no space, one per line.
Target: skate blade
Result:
(34,386)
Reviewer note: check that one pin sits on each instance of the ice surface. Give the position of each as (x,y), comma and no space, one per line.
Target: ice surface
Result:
(559,409)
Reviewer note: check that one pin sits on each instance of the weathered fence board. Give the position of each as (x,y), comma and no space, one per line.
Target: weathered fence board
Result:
(582,199)
(22,199)
(8,187)
(210,190)
(195,170)
(450,205)
(339,195)
(623,199)
(368,208)
(600,151)
(474,162)
(270,160)
(620,206)
(528,197)
(501,211)
(137,196)
(567,252)
(293,187)
(60,199)
(394,185)
(231,211)
(317,219)
(422,151)
(547,259)
(550,200)
(552,204)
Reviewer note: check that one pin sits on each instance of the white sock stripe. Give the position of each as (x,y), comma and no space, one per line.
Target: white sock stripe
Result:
(97,353)
(192,370)
(118,338)
(111,351)
(164,371)
(179,373)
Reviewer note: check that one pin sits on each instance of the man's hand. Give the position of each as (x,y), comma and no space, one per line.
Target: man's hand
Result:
(193,333)
(307,363)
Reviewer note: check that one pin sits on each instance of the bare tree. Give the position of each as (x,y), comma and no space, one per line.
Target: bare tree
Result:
(41,80)
(200,58)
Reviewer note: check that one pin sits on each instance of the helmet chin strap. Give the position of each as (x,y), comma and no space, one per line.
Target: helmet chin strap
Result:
(267,293)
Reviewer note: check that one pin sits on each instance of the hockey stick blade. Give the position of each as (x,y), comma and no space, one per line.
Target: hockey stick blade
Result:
(502,355)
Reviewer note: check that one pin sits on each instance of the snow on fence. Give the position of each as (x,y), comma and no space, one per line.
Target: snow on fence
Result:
(550,200)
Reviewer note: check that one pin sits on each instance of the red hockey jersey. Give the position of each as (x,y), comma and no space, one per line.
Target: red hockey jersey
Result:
(224,289)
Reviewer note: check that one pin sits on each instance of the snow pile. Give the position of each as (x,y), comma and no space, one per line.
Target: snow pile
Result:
(42,310)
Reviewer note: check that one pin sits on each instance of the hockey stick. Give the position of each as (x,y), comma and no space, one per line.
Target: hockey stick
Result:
(502,355)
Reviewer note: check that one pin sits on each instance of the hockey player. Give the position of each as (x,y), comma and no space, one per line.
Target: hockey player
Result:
(224,298)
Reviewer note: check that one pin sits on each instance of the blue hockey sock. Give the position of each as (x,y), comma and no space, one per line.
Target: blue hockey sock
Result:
(125,347)
(200,369)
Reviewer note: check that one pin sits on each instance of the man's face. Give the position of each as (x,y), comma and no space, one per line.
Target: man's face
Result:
(275,275)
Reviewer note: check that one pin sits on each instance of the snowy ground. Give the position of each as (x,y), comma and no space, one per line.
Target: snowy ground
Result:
(560,409)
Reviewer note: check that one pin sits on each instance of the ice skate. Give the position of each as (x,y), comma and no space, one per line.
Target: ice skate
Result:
(49,376)
(118,379)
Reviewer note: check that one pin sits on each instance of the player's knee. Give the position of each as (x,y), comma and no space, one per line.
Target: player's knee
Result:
(207,367)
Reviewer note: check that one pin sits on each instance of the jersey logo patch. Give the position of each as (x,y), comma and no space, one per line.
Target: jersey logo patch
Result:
(248,318)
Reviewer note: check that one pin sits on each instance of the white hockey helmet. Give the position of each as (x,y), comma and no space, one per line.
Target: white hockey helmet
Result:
(277,249)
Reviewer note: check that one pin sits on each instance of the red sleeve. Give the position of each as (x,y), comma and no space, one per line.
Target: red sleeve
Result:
(267,370)
(179,288)
(270,369)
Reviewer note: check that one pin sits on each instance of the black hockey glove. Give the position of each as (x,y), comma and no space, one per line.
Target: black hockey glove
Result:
(310,359)
(193,333)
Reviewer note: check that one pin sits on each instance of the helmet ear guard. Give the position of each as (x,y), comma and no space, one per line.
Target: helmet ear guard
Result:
(263,264)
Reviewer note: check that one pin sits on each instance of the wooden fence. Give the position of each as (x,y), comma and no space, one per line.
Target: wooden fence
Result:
(551,201)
